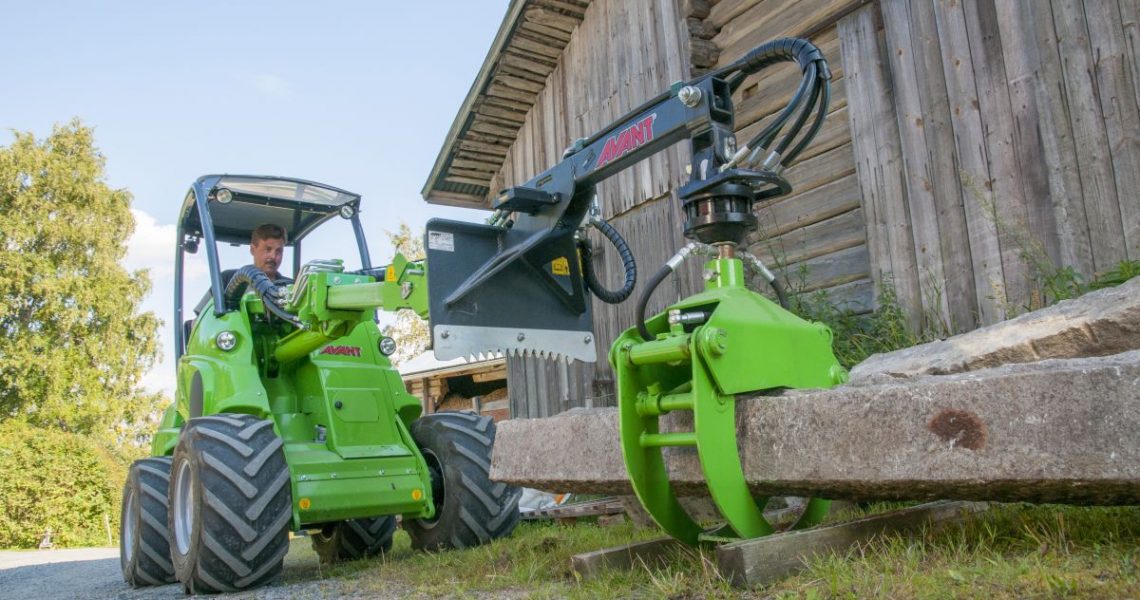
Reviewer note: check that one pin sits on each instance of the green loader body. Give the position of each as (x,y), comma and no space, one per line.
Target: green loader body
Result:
(289,416)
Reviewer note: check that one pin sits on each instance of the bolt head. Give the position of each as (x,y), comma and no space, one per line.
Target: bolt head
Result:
(521,336)
(587,340)
(445,334)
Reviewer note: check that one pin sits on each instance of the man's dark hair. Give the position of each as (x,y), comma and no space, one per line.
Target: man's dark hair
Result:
(268,231)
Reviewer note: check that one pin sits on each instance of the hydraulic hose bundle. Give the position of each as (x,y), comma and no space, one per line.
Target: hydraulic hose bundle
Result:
(718,216)
(269,293)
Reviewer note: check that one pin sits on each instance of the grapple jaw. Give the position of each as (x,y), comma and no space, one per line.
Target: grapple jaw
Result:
(518,291)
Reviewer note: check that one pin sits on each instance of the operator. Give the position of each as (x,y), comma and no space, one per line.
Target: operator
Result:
(267,246)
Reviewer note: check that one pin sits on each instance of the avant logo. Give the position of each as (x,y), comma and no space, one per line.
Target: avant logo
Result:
(341,350)
(632,138)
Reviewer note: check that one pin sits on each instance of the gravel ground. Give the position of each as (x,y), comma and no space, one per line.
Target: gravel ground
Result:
(94,573)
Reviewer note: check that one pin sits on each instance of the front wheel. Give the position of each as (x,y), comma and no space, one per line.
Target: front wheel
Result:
(470,509)
(230,504)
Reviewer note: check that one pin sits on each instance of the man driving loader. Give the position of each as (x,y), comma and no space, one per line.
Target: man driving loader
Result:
(267,246)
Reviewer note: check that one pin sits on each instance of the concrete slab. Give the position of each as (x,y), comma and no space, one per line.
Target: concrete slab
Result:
(1052,431)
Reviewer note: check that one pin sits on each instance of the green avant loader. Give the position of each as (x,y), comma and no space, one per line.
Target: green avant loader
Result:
(289,416)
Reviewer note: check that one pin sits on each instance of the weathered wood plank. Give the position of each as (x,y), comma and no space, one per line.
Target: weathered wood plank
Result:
(827,271)
(827,236)
(810,173)
(764,560)
(793,212)
(779,18)
(973,162)
(1022,60)
(1117,93)
(943,168)
(551,18)
(546,31)
(1102,208)
(878,160)
(905,75)
(658,552)
(1008,194)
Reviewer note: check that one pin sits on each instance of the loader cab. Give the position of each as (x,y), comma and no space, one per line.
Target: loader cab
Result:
(225,209)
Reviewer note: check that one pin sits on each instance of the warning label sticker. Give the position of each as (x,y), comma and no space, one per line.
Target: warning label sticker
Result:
(560,266)
(441,240)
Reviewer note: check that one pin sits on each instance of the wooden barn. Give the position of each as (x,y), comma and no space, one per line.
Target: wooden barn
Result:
(972,146)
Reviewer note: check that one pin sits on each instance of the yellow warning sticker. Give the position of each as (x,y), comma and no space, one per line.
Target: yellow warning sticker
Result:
(390,274)
(560,266)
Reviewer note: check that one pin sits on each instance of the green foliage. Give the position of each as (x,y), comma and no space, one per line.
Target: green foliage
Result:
(72,342)
(410,331)
(62,481)
(857,336)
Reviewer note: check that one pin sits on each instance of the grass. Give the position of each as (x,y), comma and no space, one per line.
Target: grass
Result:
(1012,551)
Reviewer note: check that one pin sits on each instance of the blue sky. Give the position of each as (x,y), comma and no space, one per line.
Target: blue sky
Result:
(355,94)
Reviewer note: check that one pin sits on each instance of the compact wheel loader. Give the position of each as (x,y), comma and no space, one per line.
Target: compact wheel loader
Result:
(289,416)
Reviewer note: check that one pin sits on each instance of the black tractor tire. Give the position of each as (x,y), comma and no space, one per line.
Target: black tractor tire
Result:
(470,509)
(231,504)
(354,539)
(144,539)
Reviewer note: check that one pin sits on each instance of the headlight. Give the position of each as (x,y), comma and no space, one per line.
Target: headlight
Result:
(387,346)
(226,341)
(223,196)
(347,211)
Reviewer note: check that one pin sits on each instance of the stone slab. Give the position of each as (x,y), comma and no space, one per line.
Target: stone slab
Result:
(1053,431)
(764,560)
(1100,323)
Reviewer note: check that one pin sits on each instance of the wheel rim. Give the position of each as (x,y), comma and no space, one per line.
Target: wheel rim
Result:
(128,535)
(183,508)
(438,490)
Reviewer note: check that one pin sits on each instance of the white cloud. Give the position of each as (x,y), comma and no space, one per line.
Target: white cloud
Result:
(151,246)
(271,85)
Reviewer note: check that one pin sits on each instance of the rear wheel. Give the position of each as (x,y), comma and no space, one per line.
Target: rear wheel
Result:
(230,504)
(470,509)
(144,540)
(354,539)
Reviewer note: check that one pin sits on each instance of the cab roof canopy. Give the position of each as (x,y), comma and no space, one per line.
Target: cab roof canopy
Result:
(298,205)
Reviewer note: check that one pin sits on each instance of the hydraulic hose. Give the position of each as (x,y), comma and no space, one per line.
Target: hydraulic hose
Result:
(643,301)
(627,262)
(250,275)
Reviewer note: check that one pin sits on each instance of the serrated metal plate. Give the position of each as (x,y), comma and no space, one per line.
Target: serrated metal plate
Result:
(455,341)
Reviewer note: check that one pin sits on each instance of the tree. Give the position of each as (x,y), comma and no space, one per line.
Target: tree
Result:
(410,331)
(73,344)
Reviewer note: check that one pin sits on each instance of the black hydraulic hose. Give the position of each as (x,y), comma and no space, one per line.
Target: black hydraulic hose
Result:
(801,119)
(627,262)
(821,114)
(807,87)
(250,275)
(643,301)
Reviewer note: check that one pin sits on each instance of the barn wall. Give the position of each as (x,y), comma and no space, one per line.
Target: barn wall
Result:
(622,53)
(996,141)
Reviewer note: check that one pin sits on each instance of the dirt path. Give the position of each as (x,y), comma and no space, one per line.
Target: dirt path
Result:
(93,573)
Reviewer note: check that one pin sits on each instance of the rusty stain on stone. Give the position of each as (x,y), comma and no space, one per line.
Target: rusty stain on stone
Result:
(960,428)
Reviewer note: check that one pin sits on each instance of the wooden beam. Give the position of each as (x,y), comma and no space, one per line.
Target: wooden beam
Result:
(764,560)
(658,552)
